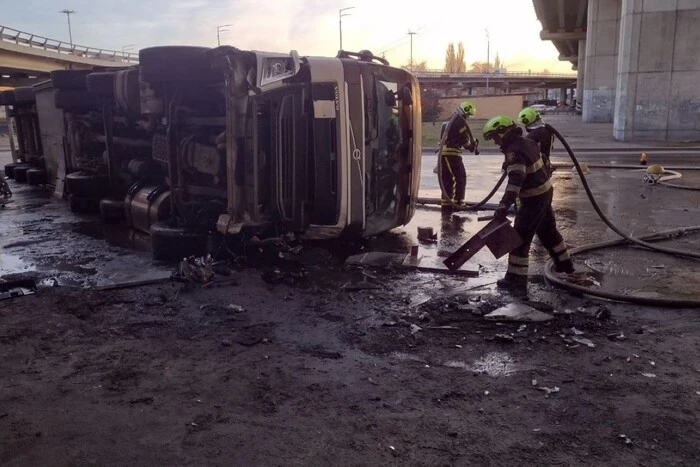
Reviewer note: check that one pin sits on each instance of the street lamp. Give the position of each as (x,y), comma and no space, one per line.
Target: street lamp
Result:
(488,59)
(219,30)
(70,33)
(340,22)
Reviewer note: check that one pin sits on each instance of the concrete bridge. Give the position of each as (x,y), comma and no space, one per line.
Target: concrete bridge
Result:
(26,59)
(502,82)
(637,60)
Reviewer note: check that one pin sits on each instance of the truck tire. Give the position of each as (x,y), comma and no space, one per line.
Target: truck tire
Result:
(83,205)
(75,100)
(127,91)
(69,79)
(36,176)
(101,83)
(87,185)
(24,95)
(178,64)
(20,173)
(10,169)
(171,243)
(112,211)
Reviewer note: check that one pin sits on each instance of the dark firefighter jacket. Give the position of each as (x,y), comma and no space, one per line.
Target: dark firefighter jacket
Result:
(527,174)
(544,138)
(457,136)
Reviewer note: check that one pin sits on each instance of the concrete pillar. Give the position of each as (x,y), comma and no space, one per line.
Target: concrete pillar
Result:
(659,71)
(562,96)
(601,60)
(581,74)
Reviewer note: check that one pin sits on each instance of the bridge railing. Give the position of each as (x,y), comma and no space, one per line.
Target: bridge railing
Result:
(38,42)
(493,74)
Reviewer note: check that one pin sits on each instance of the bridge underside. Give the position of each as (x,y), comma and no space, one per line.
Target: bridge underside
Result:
(637,61)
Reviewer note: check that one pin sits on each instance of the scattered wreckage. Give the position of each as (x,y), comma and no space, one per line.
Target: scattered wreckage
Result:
(194,144)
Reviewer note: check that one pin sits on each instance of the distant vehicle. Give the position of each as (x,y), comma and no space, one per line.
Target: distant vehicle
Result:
(551,108)
(541,108)
(195,141)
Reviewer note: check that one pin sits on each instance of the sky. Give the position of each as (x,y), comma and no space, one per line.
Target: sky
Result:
(308,26)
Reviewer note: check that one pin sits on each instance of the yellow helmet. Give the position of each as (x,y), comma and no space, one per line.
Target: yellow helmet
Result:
(466,108)
(498,125)
(528,116)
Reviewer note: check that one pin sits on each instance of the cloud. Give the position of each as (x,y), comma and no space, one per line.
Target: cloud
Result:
(309,26)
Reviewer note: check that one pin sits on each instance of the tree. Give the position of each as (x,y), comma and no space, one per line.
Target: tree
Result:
(497,65)
(454,59)
(546,71)
(417,67)
(430,105)
(479,67)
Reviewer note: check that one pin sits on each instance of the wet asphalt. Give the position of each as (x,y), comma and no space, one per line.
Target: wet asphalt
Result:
(39,235)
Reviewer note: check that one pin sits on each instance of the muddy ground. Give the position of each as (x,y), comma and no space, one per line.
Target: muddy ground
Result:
(309,374)
(303,360)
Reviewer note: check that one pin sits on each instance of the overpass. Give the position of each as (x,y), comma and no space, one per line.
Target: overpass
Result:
(637,61)
(26,58)
(502,81)
(464,84)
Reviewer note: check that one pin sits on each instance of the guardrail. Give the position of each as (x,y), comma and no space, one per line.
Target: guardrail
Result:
(38,42)
(516,74)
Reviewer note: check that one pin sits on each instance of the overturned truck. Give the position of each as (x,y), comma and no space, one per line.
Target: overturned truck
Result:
(196,144)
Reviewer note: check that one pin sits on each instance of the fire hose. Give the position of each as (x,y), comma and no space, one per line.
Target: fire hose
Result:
(643,241)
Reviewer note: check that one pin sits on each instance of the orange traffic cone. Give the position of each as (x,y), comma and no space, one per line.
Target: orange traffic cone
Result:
(643,159)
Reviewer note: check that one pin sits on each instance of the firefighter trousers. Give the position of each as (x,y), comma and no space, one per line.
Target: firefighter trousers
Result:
(454,178)
(535,217)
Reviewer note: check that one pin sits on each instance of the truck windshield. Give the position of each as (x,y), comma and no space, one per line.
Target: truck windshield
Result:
(381,191)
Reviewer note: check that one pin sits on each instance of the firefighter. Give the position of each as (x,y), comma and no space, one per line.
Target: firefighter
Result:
(458,135)
(528,181)
(538,132)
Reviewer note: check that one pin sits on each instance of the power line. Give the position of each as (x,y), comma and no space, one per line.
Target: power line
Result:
(393,44)
(397,42)
(400,44)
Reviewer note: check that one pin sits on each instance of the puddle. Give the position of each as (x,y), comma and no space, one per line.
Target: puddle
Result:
(13,264)
(496,364)
(115,235)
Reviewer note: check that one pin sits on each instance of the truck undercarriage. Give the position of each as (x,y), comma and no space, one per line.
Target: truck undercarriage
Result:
(196,143)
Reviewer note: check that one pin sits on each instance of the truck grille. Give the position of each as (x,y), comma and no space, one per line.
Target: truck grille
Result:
(286,159)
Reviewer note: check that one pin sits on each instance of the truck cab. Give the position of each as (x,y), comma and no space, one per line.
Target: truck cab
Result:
(328,147)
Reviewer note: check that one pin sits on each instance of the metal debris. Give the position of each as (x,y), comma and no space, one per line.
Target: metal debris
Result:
(415,329)
(583,341)
(196,270)
(518,312)
(625,438)
(548,391)
(18,288)
(649,375)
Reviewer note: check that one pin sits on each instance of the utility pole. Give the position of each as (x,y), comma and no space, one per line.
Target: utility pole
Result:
(70,33)
(411,34)
(488,59)
(219,30)
(340,22)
